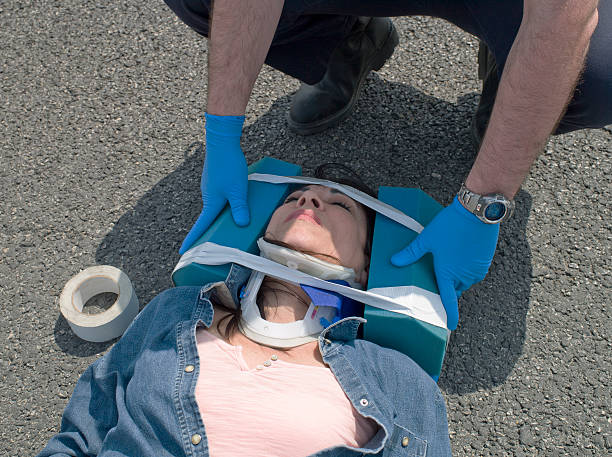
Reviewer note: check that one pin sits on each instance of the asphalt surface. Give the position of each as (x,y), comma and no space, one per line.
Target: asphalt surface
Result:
(101,121)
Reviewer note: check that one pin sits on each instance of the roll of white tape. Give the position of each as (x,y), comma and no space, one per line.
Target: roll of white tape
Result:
(92,281)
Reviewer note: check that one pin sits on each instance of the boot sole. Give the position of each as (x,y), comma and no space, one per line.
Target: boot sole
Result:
(375,63)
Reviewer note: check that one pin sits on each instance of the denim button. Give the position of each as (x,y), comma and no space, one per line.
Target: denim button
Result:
(189,368)
(364,402)
(196,438)
(405,441)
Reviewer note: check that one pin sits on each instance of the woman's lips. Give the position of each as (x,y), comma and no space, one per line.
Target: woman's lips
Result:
(305,214)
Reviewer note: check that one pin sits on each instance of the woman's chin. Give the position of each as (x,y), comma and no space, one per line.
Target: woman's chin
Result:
(307,240)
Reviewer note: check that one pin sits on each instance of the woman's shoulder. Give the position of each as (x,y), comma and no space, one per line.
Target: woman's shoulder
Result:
(159,317)
(169,306)
(390,364)
(177,294)
(175,298)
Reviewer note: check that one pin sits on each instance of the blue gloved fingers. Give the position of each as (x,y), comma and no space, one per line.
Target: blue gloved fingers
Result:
(209,212)
(462,247)
(411,253)
(225,170)
(224,176)
(462,287)
(449,297)
(240,209)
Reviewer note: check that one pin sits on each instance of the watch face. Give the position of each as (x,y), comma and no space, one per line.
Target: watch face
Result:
(495,211)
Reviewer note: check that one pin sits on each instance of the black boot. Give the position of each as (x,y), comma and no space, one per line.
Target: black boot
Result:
(487,72)
(323,105)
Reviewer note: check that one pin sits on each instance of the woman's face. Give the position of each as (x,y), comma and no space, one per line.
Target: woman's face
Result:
(325,221)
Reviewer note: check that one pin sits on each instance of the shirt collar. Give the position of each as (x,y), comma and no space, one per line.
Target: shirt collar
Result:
(343,330)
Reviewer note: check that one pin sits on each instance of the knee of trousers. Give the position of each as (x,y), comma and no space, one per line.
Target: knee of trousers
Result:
(194,13)
(591,104)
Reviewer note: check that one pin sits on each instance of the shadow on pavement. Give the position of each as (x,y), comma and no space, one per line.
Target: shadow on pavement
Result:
(398,136)
(72,344)
(145,240)
(489,339)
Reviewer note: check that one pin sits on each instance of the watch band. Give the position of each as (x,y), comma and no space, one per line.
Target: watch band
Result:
(477,204)
(468,199)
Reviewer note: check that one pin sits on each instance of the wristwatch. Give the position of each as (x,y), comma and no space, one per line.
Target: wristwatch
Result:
(490,208)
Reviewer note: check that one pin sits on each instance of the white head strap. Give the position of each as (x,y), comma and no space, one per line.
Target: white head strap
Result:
(307,263)
(367,200)
(304,269)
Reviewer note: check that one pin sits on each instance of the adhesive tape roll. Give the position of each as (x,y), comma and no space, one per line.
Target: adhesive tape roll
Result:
(92,281)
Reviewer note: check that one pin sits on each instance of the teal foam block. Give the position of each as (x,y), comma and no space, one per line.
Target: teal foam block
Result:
(263,198)
(424,343)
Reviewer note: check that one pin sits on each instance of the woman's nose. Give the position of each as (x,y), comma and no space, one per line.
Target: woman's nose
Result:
(310,198)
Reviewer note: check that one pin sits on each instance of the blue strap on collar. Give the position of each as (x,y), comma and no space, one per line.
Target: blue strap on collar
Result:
(345,307)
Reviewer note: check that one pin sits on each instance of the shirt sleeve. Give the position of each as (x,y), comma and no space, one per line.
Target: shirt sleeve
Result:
(439,443)
(416,399)
(99,397)
(90,414)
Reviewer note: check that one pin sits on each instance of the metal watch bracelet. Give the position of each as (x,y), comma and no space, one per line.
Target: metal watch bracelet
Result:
(479,204)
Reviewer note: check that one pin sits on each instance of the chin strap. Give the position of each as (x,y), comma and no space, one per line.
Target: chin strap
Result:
(307,264)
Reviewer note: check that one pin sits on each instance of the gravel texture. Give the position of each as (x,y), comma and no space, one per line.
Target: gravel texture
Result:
(101,119)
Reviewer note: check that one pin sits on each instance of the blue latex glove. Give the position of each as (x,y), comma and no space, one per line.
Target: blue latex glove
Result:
(224,177)
(462,247)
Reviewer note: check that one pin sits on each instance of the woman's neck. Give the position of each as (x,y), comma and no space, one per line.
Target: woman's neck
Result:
(282,301)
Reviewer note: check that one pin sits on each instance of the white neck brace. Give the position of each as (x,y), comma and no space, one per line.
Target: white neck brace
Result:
(291,334)
(307,263)
(276,334)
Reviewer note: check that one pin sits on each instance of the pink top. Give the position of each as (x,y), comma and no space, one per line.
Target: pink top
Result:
(280,410)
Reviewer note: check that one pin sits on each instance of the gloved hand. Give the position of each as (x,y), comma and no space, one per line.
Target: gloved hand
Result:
(462,247)
(224,177)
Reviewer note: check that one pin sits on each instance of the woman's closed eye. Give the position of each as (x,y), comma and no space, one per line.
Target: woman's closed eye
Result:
(330,198)
(343,205)
(346,206)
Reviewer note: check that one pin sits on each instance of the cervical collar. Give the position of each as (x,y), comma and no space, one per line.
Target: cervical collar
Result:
(307,263)
(275,334)
(325,305)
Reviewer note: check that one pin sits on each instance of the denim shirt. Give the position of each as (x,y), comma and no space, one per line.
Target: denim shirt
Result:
(139,399)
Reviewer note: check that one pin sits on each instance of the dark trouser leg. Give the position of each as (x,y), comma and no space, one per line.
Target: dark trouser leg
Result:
(309,32)
(591,103)
(324,44)
(496,22)
(303,41)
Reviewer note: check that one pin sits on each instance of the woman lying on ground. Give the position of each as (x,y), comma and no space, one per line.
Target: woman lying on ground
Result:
(185,381)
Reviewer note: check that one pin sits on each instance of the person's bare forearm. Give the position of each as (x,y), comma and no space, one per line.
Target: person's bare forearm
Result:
(240,35)
(538,80)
